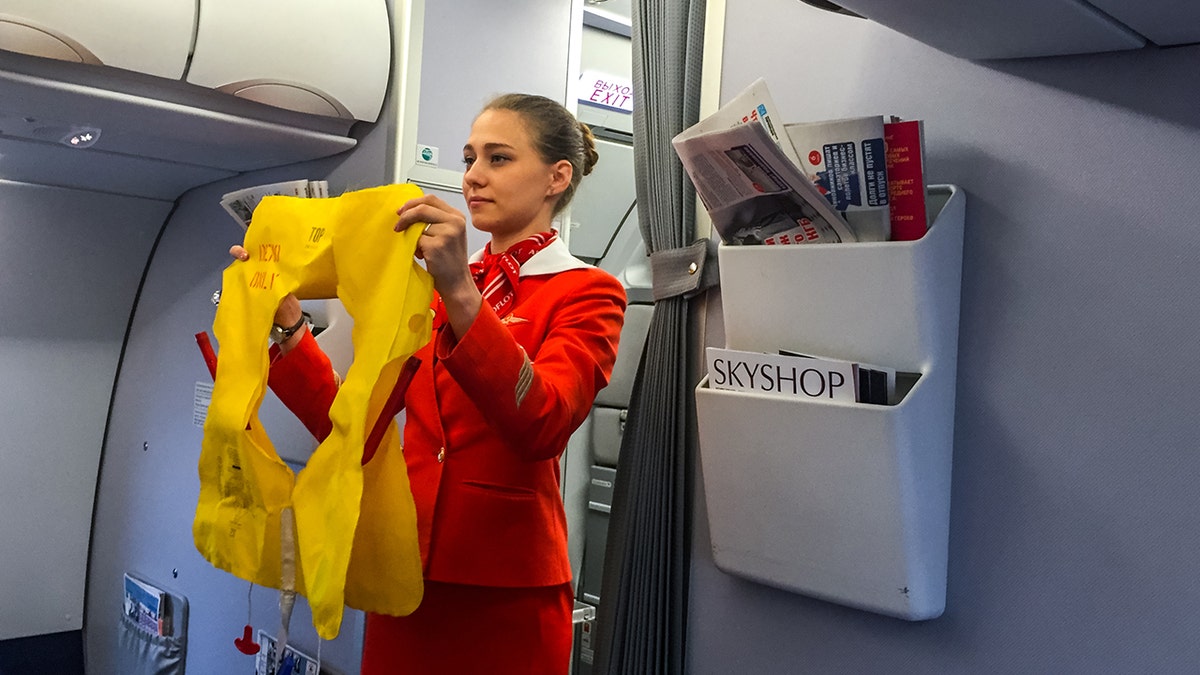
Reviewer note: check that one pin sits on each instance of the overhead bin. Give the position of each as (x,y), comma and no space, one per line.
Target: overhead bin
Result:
(146,37)
(308,56)
(153,137)
(1163,22)
(314,57)
(987,29)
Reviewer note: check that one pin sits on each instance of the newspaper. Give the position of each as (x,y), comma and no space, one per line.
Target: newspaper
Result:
(753,104)
(753,192)
(240,204)
(748,176)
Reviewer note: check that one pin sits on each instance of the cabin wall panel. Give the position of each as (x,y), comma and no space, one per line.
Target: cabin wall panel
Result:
(1073,533)
(70,263)
(474,51)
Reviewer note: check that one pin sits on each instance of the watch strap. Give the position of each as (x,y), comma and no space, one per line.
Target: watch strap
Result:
(287,332)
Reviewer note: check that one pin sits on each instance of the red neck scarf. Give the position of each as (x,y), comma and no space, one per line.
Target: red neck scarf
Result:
(497,274)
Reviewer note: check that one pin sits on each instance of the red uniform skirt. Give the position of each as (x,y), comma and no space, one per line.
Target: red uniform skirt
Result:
(460,630)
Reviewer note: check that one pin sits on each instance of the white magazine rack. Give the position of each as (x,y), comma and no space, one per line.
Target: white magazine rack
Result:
(849,503)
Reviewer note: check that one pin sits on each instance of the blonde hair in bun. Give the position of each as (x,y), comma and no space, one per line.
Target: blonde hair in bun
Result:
(556,134)
(589,148)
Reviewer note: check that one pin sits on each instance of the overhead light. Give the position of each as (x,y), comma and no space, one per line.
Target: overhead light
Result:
(81,137)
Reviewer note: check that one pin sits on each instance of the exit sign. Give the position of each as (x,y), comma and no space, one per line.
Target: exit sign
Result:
(606,91)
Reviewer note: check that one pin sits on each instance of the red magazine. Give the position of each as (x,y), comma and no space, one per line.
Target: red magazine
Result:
(906,178)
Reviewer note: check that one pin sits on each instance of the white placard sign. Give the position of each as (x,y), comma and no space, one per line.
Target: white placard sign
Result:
(606,91)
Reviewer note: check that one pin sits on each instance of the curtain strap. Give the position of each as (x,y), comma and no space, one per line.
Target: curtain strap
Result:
(686,271)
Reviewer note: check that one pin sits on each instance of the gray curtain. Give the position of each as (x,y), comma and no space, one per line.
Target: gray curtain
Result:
(642,618)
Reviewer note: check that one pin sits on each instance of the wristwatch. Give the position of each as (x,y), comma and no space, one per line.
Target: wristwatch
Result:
(281,334)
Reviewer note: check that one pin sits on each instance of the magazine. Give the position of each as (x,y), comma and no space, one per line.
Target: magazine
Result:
(847,160)
(784,374)
(875,384)
(146,607)
(240,204)
(872,384)
(906,178)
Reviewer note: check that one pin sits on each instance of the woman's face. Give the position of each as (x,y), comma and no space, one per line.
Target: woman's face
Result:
(510,190)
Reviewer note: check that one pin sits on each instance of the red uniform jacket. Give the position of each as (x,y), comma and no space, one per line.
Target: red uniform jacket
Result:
(488,415)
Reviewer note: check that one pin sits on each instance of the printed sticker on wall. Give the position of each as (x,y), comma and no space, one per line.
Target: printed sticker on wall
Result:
(427,155)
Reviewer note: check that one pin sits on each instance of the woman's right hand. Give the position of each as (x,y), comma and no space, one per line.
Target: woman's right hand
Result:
(443,247)
(443,241)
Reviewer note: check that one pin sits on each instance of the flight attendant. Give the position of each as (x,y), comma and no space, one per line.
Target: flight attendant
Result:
(525,335)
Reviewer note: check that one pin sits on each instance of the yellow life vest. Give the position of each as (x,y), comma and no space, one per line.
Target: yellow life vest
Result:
(355,533)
